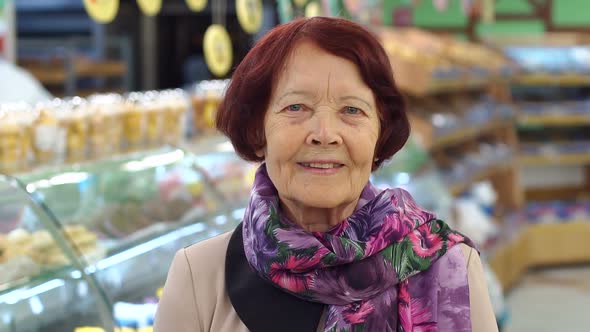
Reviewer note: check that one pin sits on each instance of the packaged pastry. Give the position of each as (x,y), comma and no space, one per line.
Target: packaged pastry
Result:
(15,139)
(175,105)
(155,113)
(49,136)
(105,125)
(75,118)
(3,248)
(211,94)
(134,124)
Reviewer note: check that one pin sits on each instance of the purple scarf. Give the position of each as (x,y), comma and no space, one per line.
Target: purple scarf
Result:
(387,267)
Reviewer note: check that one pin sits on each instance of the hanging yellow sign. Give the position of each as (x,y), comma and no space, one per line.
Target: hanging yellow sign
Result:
(196,5)
(150,7)
(313,9)
(218,50)
(102,11)
(300,3)
(249,14)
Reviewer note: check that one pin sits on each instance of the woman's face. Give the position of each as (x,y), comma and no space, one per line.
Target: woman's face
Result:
(321,129)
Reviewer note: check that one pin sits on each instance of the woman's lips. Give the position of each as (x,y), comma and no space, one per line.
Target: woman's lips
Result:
(321,167)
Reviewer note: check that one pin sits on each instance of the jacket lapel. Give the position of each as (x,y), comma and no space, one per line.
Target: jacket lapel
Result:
(261,306)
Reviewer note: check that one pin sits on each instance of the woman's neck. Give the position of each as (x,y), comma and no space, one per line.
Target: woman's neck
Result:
(315,219)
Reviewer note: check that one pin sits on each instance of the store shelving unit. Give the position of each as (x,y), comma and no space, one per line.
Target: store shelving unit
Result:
(543,128)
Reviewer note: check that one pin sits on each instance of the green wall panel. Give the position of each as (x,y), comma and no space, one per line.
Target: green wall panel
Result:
(511,28)
(513,6)
(426,15)
(571,12)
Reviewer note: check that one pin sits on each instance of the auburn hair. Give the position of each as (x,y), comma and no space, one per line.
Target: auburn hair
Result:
(242,111)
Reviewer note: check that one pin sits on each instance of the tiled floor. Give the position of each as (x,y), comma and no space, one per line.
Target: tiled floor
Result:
(555,300)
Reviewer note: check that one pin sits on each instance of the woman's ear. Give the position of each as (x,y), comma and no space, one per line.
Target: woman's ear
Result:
(260,153)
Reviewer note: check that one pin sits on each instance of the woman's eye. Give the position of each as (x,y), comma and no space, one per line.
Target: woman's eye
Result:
(295,108)
(352,110)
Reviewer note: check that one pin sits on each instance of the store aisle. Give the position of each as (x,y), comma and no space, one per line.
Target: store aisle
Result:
(553,300)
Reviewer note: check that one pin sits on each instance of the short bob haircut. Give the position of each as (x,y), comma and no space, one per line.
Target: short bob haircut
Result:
(241,113)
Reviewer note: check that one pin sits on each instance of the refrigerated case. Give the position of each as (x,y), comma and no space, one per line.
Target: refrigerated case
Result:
(119,223)
(45,290)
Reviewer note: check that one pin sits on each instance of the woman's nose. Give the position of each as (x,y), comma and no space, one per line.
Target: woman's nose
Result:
(324,131)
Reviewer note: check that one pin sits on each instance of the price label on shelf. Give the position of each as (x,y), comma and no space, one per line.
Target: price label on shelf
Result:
(150,7)
(249,14)
(313,9)
(196,5)
(218,50)
(102,11)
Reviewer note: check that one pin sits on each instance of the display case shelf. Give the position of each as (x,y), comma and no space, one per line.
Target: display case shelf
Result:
(467,134)
(554,120)
(562,159)
(541,79)
(484,174)
(139,209)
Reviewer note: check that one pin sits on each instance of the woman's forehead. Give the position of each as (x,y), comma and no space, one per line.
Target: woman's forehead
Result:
(309,68)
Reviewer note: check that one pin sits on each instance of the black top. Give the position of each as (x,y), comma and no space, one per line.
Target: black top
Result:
(261,306)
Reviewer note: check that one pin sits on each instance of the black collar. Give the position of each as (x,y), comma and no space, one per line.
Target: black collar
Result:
(261,306)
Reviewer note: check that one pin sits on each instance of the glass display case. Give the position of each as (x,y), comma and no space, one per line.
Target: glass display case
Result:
(43,285)
(119,223)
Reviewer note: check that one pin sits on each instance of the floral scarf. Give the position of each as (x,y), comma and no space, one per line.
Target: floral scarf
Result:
(387,267)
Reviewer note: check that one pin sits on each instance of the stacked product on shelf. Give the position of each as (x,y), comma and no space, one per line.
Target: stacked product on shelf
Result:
(77,129)
(425,63)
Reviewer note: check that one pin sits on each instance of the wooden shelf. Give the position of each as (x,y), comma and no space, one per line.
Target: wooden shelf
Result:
(458,188)
(570,244)
(548,79)
(558,159)
(554,120)
(467,134)
(57,74)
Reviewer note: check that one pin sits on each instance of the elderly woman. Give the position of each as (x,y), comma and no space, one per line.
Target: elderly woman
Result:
(320,248)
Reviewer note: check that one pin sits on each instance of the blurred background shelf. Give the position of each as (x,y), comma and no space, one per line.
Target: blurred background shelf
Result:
(563,159)
(466,135)
(554,120)
(553,79)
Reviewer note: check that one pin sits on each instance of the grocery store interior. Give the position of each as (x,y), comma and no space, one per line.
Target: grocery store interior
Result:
(110,162)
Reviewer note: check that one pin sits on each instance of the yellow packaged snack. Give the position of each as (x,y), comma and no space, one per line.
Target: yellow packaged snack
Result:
(134,123)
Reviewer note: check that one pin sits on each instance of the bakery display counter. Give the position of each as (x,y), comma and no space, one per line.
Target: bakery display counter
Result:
(43,286)
(123,219)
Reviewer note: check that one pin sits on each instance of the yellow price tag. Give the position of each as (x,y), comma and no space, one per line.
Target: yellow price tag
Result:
(313,9)
(150,7)
(102,11)
(249,14)
(218,50)
(196,5)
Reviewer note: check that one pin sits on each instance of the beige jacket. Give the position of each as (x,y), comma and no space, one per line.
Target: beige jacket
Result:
(195,298)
